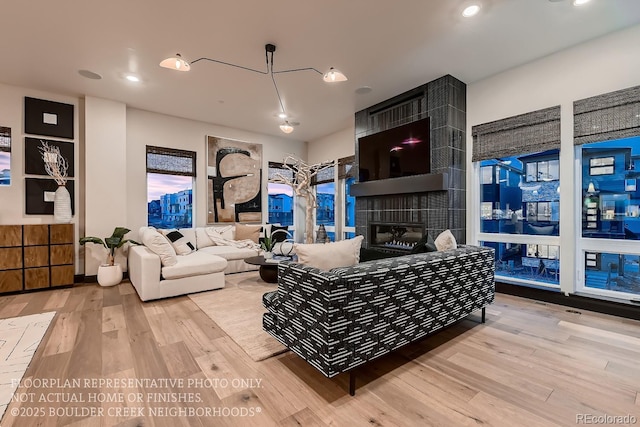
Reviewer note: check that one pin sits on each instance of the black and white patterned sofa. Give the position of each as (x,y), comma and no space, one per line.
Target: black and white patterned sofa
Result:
(339,319)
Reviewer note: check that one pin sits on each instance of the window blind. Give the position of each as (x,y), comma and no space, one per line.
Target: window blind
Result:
(525,133)
(325,175)
(171,161)
(613,115)
(5,139)
(276,168)
(346,167)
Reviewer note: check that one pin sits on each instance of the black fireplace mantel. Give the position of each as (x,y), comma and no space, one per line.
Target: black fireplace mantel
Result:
(401,185)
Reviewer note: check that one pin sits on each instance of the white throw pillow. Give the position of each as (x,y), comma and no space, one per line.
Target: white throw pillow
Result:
(326,256)
(160,246)
(445,241)
(202,238)
(180,243)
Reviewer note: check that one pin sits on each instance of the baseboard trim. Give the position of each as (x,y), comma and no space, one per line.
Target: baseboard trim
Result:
(572,300)
(81,278)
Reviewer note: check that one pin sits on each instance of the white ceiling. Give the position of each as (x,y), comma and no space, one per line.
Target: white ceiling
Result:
(391,46)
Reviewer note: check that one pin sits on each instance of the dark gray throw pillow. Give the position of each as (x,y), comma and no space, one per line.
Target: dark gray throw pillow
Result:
(425,244)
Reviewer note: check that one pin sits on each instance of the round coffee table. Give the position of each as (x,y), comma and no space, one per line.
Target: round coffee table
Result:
(268,270)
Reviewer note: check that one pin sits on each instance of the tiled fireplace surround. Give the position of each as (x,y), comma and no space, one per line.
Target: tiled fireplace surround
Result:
(444,101)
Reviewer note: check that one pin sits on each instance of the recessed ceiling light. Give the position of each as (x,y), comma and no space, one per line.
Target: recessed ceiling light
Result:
(133,78)
(363,90)
(89,74)
(580,2)
(470,11)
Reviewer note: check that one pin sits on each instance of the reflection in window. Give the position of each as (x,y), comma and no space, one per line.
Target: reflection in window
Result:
(280,204)
(5,156)
(527,262)
(325,200)
(611,200)
(524,196)
(612,271)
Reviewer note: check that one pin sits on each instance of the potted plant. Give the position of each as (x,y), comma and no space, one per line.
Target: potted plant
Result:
(268,243)
(110,273)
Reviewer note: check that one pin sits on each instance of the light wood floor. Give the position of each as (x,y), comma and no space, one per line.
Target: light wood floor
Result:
(530,364)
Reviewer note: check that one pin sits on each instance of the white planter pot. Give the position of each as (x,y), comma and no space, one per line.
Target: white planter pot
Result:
(267,255)
(109,275)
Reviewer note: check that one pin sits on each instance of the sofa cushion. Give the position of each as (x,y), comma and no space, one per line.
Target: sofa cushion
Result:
(326,256)
(248,232)
(446,241)
(159,245)
(202,238)
(181,244)
(189,233)
(230,253)
(425,244)
(194,264)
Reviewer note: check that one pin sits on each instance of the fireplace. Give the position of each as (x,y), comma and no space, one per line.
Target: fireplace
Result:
(397,237)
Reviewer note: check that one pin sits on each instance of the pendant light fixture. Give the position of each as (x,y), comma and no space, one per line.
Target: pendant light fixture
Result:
(177,63)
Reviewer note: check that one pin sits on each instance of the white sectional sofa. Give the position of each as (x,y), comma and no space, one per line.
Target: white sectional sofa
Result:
(201,270)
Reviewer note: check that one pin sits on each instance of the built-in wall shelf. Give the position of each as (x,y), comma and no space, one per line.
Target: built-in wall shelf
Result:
(402,185)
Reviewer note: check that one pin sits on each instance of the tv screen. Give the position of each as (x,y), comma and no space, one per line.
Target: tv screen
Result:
(401,151)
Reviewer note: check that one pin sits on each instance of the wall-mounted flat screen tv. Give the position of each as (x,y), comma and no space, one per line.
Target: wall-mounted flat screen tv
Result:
(396,152)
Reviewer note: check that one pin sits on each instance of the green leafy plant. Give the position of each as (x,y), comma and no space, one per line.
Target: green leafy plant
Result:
(115,241)
(268,242)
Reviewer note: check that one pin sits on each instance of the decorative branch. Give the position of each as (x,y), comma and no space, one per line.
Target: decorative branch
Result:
(55,165)
(300,181)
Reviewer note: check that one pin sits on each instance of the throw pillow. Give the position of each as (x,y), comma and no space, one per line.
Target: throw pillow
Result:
(326,256)
(426,244)
(445,241)
(181,244)
(279,236)
(160,246)
(248,232)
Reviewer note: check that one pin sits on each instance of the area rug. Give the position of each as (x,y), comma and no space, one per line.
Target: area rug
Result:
(237,309)
(19,340)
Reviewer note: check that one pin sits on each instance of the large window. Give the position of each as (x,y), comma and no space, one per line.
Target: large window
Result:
(325,188)
(170,175)
(610,190)
(281,201)
(346,179)
(5,156)
(614,272)
(520,194)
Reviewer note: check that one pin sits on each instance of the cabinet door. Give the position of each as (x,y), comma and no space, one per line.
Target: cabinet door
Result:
(10,235)
(10,280)
(36,256)
(62,275)
(10,258)
(36,278)
(62,254)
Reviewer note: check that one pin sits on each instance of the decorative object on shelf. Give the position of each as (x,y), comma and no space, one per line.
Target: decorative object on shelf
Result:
(300,179)
(110,273)
(178,63)
(321,235)
(234,172)
(49,118)
(57,167)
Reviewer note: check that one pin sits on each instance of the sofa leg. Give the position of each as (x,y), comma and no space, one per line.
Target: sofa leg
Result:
(352,383)
(483,314)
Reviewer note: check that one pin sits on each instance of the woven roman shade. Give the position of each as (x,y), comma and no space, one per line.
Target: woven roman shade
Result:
(276,168)
(171,161)
(346,167)
(526,133)
(605,117)
(325,175)
(5,139)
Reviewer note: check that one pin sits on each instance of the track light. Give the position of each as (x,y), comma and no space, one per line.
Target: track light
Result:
(177,63)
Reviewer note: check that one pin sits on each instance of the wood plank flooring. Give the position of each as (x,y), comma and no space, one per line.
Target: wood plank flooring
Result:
(530,364)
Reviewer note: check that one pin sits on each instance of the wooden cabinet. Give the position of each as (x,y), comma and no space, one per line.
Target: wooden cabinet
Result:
(36,256)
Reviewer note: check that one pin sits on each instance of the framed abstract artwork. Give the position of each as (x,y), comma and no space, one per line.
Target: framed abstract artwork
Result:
(49,118)
(33,163)
(5,155)
(234,181)
(39,195)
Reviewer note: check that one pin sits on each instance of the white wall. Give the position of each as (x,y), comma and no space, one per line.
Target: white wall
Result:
(12,198)
(603,65)
(105,153)
(147,128)
(338,144)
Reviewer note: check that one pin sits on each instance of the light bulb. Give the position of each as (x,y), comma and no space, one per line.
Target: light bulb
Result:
(286,127)
(471,11)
